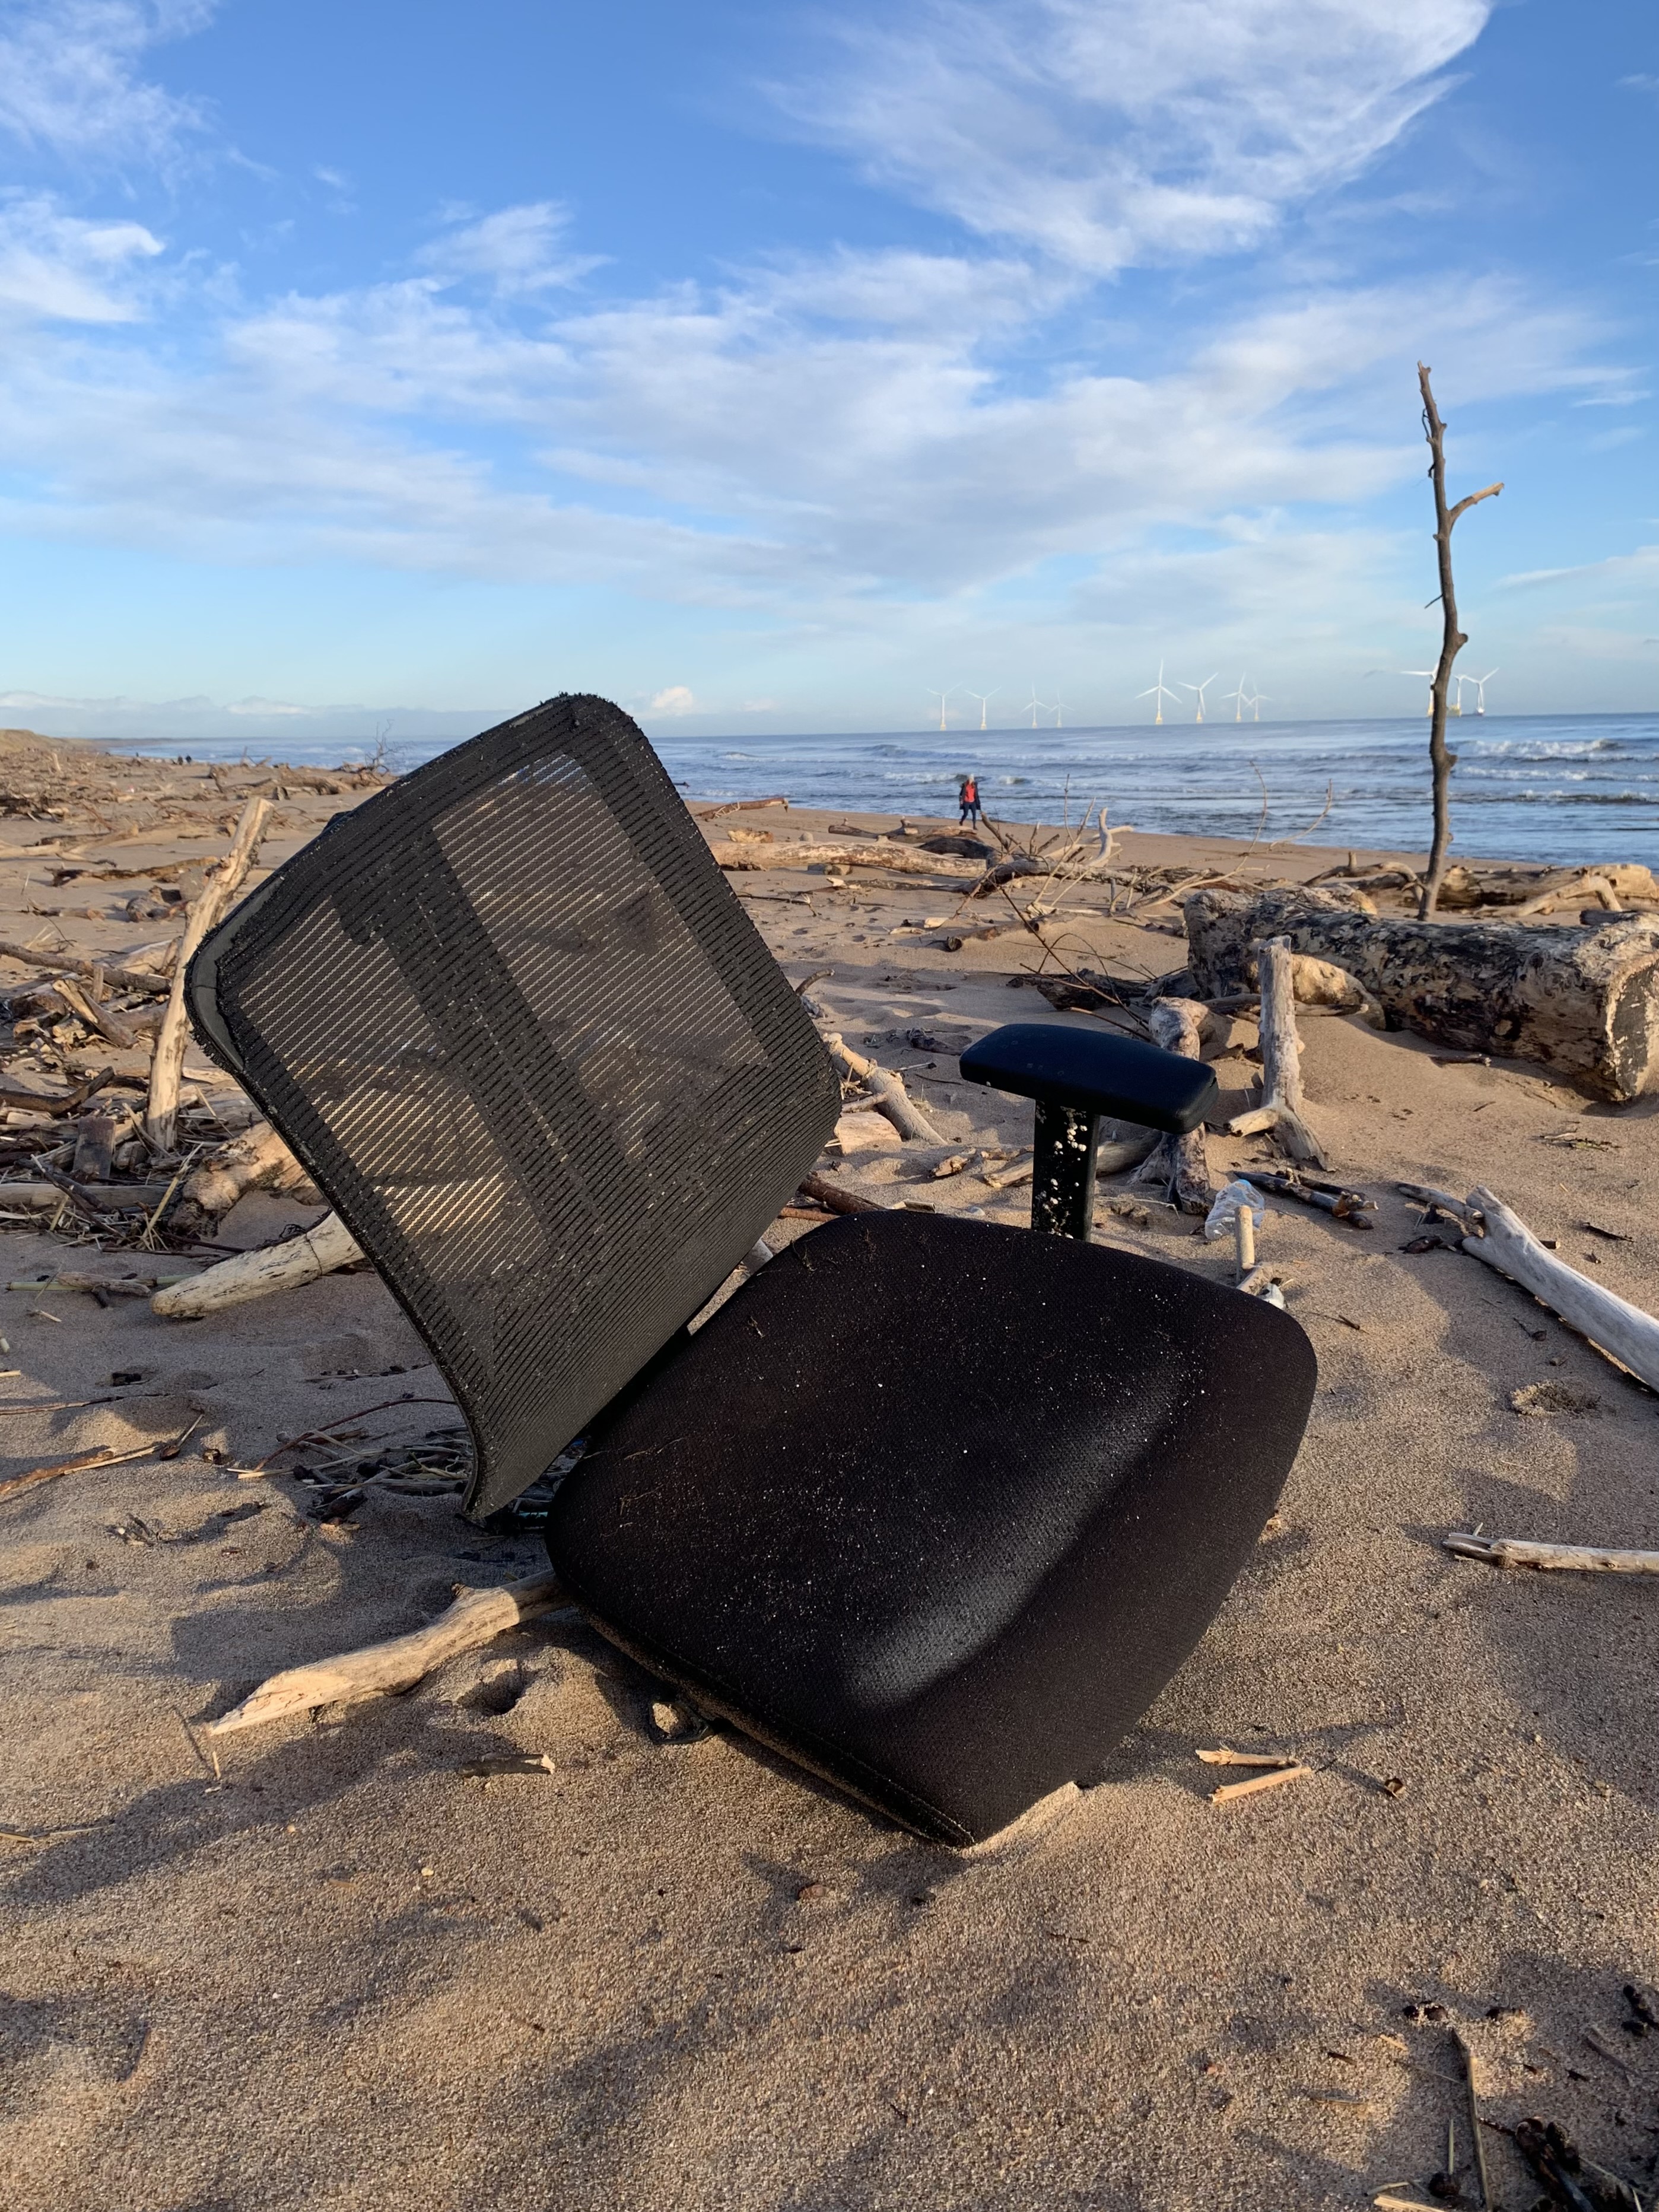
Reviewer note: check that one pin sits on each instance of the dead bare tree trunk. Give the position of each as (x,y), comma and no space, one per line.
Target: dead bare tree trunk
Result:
(1452,641)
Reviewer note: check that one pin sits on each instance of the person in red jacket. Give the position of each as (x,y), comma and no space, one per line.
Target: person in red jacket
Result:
(967,793)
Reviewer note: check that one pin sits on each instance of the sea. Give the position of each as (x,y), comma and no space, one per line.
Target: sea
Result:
(1536,786)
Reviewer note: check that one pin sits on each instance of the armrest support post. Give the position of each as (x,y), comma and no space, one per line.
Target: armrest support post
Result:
(1063,1183)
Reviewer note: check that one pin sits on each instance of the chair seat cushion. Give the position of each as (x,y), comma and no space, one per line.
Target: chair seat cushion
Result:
(935,1507)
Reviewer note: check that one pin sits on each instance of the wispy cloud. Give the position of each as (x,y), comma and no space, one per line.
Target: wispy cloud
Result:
(517,251)
(815,434)
(71,80)
(56,267)
(1105,132)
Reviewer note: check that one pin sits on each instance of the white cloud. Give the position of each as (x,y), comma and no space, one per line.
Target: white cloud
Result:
(1108,131)
(1641,567)
(676,700)
(60,268)
(778,444)
(516,252)
(70,81)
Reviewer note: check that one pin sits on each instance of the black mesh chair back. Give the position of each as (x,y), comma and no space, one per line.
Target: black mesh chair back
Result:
(512,1020)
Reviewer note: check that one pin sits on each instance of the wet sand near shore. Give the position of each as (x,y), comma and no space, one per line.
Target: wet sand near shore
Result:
(326,1968)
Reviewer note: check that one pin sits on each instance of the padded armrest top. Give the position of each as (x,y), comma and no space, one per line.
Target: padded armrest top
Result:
(1096,1071)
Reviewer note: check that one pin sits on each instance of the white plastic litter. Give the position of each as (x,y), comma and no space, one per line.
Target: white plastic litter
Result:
(1231,1200)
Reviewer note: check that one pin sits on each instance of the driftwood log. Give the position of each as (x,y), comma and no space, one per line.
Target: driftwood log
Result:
(1582,1001)
(167,1066)
(256,1160)
(1575,1559)
(1178,1164)
(1072,865)
(1281,1110)
(44,1196)
(122,979)
(1499,1236)
(381,1669)
(282,1267)
(906,860)
(888,1090)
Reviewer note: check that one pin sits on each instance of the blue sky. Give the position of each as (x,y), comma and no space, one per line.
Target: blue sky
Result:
(762,367)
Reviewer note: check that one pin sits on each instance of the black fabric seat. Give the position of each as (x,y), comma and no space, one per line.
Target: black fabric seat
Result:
(936,1507)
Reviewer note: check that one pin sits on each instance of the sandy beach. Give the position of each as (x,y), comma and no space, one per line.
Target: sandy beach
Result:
(319,1965)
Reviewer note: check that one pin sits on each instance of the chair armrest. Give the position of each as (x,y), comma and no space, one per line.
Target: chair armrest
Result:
(1094,1071)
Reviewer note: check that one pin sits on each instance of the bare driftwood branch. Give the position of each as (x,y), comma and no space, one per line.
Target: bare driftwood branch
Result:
(104,1019)
(1281,1107)
(123,979)
(1441,761)
(1576,1558)
(828,1193)
(888,1090)
(282,1267)
(1578,888)
(1350,1205)
(381,1669)
(167,1066)
(1178,1165)
(106,1455)
(1610,1322)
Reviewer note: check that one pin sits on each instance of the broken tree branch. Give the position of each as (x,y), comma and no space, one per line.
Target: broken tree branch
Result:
(381,1669)
(167,1066)
(1281,1108)
(1611,1323)
(1452,641)
(1577,1558)
(282,1267)
(889,1090)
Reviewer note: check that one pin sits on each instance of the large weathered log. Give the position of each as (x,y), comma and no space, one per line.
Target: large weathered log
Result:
(282,1267)
(1582,1002)
(380,1670)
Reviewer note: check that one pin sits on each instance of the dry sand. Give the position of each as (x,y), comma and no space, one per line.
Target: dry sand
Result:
(339,1974)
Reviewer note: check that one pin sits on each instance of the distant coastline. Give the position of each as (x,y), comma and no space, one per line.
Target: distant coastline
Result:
(1555,787)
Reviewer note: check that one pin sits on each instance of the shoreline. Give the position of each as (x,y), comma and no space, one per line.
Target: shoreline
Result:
(660,1973)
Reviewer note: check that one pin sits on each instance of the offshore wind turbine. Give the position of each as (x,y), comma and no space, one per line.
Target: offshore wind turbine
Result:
(1035,702)
(1198,691)
(1256,698)
(983,696)
(1159,691)
(941,696)
(1059,706)
(1238,711)
(1481,683)
(1429,673)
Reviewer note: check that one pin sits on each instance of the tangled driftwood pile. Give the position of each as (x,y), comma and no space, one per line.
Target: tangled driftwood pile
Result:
(104,1141)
